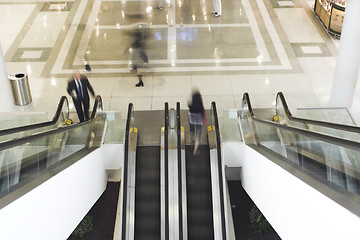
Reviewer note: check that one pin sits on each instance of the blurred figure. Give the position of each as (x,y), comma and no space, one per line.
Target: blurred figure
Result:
(197,117)
(217,8)
(138,54)
(78,89)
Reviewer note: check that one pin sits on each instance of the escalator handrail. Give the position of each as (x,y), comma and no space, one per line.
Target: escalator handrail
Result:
(178,126)
(307,133)
(125,170)
(166,168)
(19,141)
(221,183)
(343,127)
(56,117)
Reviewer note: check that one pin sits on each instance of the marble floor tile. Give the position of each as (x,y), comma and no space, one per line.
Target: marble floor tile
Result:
(251,83)
(212,85)
(259,47)
(125,87)
(45,29)
(311,49)
(285,3)
(17,15)
(122,103)
(103,86)
(319,72)
(171,86)
(31,54)
(297,25)
(290,83)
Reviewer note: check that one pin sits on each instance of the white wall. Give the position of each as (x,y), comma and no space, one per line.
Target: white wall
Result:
(294,209)
(53,209)
(231,152)
(113,155)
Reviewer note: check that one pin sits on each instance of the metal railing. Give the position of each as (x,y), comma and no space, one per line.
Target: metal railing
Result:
(280,99)
(292,147)
(166,168)
(247,111)
(129,125)
(12,143)
(59,112)
(214,123)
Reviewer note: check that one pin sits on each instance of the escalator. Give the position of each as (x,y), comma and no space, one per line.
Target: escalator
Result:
(167,193)
(320,159)
(27,162)
(199,201)
(147,200)
(60,118)
(140,198)
(205,185)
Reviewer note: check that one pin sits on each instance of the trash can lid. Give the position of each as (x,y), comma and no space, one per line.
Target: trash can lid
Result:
(17,76)
(20,75)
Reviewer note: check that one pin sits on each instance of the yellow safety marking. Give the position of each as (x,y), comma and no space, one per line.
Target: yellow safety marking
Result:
(209,128)
(131,130)
(182,129)
(162,129)
(213,128)
(135,130)
(275,118)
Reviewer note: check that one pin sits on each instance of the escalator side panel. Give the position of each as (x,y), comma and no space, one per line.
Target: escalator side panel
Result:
(199,195)
(147,193)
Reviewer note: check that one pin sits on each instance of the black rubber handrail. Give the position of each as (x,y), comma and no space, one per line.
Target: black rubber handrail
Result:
(125,170)
(36,136)
(319,136)
(220,172)
(342,127)
(166,168)
(56,117)
(178,128)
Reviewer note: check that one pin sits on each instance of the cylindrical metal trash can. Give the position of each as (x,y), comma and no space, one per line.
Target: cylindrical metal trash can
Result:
(20,86)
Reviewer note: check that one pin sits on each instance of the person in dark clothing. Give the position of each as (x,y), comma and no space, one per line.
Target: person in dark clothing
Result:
(197,117)
(78,89)
(138,54)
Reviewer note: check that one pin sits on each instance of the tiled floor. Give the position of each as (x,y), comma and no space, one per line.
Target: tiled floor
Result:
(256,46)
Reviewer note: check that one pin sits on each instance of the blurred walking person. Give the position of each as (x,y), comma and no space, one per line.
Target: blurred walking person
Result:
(197,117)
(217,8)
(138,53)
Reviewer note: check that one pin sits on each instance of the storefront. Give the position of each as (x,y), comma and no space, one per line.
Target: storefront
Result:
(331,14)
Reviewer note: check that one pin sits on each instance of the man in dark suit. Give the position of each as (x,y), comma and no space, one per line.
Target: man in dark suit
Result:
(78,89)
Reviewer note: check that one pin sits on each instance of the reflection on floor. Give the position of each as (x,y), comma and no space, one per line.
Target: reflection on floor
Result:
(261,47)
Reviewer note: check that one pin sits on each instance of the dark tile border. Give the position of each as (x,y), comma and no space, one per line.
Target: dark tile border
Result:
(325,51)
(43,58)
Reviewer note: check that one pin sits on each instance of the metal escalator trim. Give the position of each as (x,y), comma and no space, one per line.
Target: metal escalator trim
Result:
(36,136)
(280,97)
(63,100)
(166,168)
(307,133)
(220,170)
(180,170)
(125,173)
